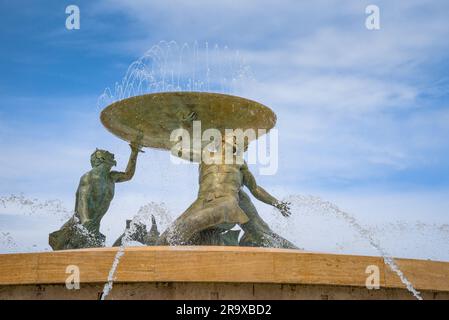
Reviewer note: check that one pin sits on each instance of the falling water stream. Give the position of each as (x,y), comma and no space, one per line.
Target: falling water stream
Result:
(169,66)
(142,217)
(323,207)
(310,203)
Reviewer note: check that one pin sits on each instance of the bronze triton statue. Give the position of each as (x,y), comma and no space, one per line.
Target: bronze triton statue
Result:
(93,197)
(221,202)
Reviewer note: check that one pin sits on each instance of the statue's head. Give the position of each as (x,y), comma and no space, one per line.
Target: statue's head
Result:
(100,157)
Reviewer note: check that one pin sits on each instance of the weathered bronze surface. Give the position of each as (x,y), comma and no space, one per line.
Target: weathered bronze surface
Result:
(221,202)
(157,115)
(93,197)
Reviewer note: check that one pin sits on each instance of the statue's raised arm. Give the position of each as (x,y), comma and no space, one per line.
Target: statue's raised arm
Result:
(93,198)
(118,176)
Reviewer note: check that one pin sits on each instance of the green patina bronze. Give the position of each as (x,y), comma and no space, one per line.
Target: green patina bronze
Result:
(93,197)
(221,203)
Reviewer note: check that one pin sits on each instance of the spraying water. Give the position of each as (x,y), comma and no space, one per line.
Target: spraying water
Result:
(6,240)
(32,206)
(420,240)
(143,216)
(317,205)
(169,66)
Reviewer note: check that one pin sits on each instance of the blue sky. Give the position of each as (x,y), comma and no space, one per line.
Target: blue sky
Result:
(363,116)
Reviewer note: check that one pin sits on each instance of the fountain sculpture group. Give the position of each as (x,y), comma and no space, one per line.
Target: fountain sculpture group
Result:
(149,121)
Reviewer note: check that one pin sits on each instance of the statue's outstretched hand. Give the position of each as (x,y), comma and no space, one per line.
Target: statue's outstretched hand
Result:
(283,207)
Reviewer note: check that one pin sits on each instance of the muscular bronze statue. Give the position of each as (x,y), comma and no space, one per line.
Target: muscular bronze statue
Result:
(93,197)
(221,204)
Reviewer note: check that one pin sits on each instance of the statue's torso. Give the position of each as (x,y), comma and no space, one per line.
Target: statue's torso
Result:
(95,194)
(219,179)
(103,187)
